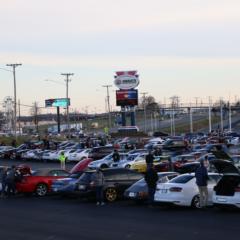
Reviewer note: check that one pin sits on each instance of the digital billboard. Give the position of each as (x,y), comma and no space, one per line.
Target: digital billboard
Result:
(127,97)
(57,102)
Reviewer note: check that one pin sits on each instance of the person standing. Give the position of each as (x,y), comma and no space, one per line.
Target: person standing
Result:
(151,178)
(158,152)
(201,175)
(116,156)
(149,159)
(3,182)
(98,182)
(10,181)
(62,160)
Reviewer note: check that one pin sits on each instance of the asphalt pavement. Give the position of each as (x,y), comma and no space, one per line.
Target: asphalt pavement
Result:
(57,218)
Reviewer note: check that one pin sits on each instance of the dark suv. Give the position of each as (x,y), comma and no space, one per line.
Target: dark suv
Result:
(117,180)
(100,152)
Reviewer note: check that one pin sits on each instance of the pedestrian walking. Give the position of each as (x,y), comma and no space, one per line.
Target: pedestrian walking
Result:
(201,175)
(98,182)
(116,156)
(62,160)
(10,181)
(149,159)
(3,182)
(151,178)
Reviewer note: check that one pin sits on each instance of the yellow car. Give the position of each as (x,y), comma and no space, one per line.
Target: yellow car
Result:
(141,166)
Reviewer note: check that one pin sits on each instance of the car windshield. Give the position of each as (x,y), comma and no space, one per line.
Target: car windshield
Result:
(182,179)
(132,157)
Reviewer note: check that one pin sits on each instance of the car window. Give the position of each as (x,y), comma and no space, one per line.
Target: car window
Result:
(182,179)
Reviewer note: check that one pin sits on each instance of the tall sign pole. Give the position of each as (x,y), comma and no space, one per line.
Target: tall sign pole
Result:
(108,104)
(67,75)
(14,65)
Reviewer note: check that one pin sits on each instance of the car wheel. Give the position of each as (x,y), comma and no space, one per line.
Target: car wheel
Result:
(41,190)
(127,166)
(196,202)
(111,194)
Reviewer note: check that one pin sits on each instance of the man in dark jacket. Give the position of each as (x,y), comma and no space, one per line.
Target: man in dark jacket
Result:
(201,175)
(10,181)
(98,182)
(3,181)
(149,159)
(151,178)
(116,156)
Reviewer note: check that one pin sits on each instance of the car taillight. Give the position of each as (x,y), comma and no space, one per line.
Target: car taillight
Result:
(237,189)
(175,189)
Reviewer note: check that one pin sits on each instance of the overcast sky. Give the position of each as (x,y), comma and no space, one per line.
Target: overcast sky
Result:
(189,48)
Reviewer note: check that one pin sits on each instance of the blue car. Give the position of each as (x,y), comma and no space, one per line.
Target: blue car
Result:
(66,185)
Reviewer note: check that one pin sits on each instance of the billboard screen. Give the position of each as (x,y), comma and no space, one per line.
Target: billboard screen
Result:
(57,102)
(127,97)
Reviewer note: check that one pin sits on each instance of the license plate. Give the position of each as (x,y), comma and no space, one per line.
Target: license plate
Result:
(132,194)
(221,199)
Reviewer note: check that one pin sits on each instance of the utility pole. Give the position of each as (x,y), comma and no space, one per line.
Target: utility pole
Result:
(210,114)
(221,112)
(145,112)
(230,116)
(19,116)
(191,119)
(14,65)
(67,80)
(108,105)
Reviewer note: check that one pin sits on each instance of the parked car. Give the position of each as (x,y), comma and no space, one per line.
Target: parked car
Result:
(106,161)
(227,192)
(66,185)
(40,181)
(79,155)
(116,182)
(100,152)
(183,191)
(139,190)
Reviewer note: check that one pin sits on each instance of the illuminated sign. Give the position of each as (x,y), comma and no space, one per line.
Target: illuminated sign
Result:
(127,97)
(57,102)
(126,80)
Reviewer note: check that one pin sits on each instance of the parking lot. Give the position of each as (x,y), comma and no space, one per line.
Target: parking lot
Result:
(54,217)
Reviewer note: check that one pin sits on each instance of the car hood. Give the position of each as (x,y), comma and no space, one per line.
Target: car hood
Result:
(221,155)
(224,166)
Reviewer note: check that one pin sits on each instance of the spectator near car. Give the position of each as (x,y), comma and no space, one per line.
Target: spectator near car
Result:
(149,159)
(98,181)
(3,181)
(202,182)
(116,156)
(151,179)
(10,181)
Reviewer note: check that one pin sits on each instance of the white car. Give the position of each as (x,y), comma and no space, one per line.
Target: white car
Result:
(227,191)
(107,161)
(183,191)
(130,160)
(79,155)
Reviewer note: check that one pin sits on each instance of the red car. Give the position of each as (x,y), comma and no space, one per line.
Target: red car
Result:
(39,182)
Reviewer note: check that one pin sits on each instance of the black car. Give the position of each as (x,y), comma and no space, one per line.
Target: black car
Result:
(100,152)
(117,180)
(139,190)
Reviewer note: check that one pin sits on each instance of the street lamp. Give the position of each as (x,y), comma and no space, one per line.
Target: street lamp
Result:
(14,65)
(108,104)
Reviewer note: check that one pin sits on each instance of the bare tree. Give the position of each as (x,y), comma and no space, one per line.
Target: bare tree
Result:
(35,111)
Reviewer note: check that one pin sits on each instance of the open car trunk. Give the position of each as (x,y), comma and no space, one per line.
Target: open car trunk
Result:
(227,185)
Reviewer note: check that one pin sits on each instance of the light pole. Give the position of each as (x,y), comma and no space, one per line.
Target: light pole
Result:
(210,114)
(67,81)
(191,119)
(221,112)
(108,105)
(14,65)
(145,112)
